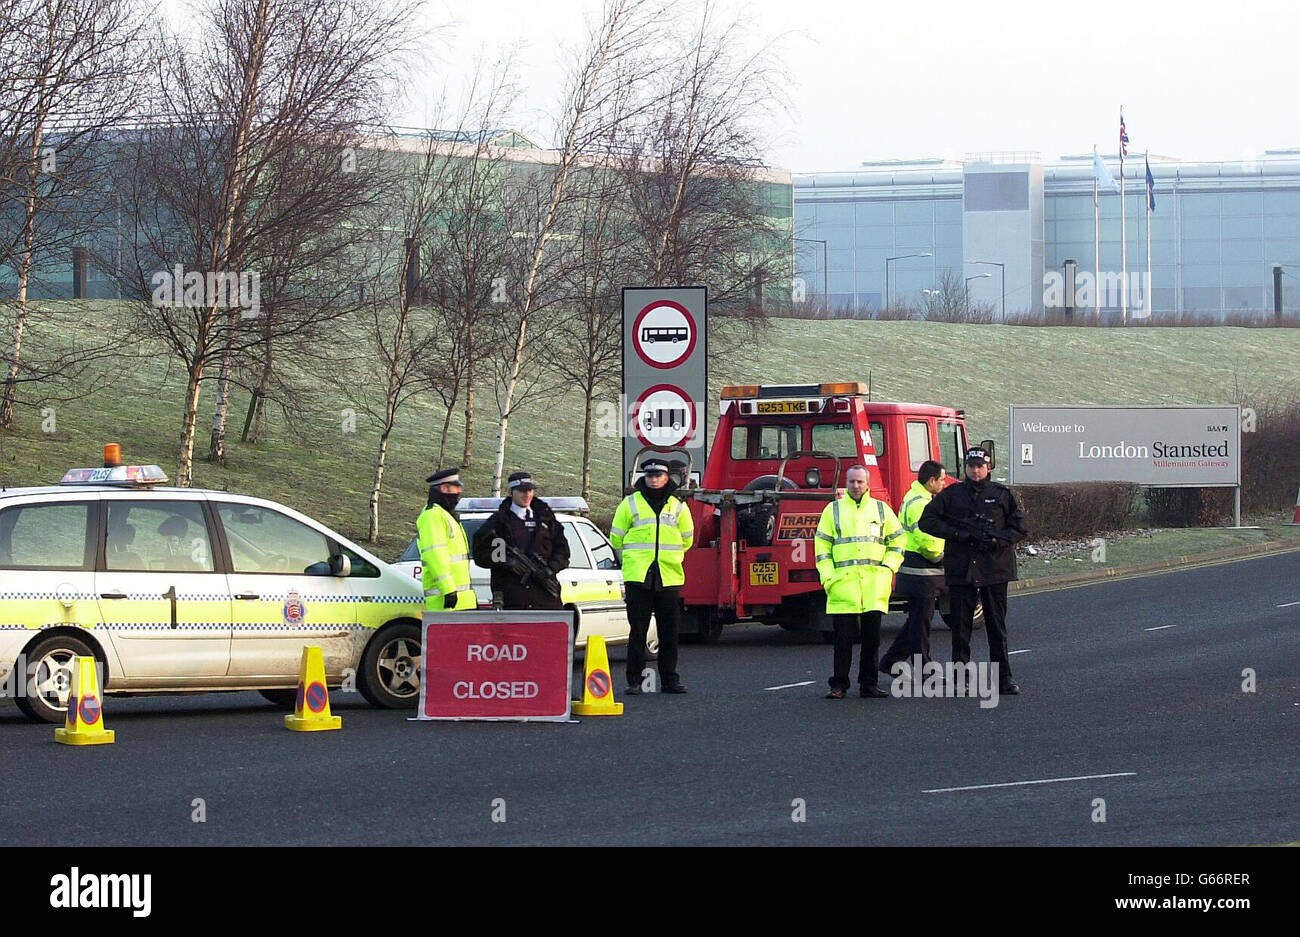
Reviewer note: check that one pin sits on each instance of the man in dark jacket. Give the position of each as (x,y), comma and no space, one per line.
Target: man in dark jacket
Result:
(978,566)
(526,523)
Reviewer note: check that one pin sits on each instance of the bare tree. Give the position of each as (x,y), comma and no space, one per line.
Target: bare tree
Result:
(950,301)
(697,183)
(245,164)
(613,58)
(69,75)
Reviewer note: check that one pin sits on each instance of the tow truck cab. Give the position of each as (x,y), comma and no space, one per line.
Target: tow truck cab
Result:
(779,455)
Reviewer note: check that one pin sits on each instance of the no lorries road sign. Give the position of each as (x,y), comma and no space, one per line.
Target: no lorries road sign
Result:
(664,334)
(664,415)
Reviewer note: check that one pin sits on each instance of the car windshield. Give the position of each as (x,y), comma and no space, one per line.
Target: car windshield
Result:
(412,552)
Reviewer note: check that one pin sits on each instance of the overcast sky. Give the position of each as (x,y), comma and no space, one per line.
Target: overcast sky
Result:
(897,80)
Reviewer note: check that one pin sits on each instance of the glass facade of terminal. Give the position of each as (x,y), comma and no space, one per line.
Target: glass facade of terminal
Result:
(1216,232)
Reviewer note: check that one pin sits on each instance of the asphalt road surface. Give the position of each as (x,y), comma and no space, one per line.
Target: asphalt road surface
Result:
(1133,689)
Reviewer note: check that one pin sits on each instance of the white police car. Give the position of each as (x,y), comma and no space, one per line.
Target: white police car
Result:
(179,589)
(591,585)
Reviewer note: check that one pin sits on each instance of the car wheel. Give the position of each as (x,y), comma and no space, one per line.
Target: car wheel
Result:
(390,668)
(49,681)
(285,699)
(652,641)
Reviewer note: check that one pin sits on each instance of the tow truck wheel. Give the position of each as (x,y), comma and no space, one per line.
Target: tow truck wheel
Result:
(707,630)
(390,668)
(977,619)
(49,678)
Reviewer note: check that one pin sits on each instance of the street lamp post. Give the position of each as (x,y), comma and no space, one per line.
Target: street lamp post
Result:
(978,276)
(889,260)
(826,293)
(1002,270)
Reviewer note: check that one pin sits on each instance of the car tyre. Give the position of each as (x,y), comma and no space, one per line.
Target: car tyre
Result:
(45,698)
(652,641)
(390,667)
(285,699)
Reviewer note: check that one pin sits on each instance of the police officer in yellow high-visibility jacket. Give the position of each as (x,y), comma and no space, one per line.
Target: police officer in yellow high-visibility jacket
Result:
(444,548)
(859,546)
(920,578)
(653,530)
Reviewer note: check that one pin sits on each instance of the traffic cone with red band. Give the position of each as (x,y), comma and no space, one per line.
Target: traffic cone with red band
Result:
(311,713)
(597,686)
(1295,519)
(84,724)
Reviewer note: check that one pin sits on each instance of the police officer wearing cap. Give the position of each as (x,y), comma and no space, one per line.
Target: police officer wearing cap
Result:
(444,548)
(528,524)
(978,566)
(653,529)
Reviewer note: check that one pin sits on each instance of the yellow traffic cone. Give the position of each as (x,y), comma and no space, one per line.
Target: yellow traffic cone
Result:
(85,722)
(597,687)
(312,711)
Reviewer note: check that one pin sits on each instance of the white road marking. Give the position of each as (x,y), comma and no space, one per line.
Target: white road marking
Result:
(1023,651)
(1158,628)
(981,787)
(786,686)
(1288,604)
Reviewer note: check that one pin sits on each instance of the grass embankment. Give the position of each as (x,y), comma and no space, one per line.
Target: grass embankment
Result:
(319,468)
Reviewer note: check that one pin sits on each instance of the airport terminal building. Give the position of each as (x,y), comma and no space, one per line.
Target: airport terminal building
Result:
(1002,223)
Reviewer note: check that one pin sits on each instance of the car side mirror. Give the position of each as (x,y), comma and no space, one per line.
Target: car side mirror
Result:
(987,446)
(607,563)
(340,565)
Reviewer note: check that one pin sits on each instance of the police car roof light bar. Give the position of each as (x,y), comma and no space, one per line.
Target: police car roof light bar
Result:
(129,476)
(568,505)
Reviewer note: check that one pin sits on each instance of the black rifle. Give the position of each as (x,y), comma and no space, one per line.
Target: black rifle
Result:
(983,527)
(530,568)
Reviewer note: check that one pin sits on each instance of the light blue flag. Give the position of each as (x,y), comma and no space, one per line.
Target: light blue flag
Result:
(1104,179)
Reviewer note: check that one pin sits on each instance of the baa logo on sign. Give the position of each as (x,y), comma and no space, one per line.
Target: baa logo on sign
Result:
(294,609)
(1027,453)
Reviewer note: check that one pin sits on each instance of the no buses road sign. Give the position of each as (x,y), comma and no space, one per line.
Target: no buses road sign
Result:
(665,372)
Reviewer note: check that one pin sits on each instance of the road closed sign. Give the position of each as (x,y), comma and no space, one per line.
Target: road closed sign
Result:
(1162,447)
(496,666)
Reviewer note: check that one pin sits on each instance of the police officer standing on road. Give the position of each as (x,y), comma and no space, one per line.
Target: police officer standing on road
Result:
(527,524)
(652,529)
(977,564)
(444,548)
(859,547)
(920,578)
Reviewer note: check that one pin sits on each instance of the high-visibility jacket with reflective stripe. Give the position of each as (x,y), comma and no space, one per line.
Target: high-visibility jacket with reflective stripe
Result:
(444,556)
(859,547)
(909,513)
(645,538)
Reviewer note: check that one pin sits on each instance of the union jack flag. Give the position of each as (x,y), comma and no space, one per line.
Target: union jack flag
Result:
(1123,137)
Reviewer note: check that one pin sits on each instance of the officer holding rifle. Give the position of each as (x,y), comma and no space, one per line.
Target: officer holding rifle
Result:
(981,522)
(524,547)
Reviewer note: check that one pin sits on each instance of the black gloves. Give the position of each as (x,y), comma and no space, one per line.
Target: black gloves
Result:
(450,601)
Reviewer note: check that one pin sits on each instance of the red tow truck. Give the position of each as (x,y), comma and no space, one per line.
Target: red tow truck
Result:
(779,456)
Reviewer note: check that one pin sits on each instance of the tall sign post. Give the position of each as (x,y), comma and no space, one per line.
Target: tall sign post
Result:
(665,373)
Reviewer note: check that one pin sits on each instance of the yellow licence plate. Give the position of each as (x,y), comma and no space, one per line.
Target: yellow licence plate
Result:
(762,574)
(781,406)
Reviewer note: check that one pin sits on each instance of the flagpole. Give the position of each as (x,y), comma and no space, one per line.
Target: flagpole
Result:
(1178,249)
(1096,237)
(1147,291)
(1123,232)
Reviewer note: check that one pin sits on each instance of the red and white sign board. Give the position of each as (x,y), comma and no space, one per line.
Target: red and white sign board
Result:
(664,416)
(664,334)
(514,666)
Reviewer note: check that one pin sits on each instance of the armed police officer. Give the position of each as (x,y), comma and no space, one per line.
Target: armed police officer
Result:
(920,578)
(524,547)
(444,548)
(653,530)
(859,546)
(980,523)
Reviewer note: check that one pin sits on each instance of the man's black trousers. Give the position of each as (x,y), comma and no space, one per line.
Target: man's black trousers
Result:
(963,598)
(665,604)
(846,627)
(922,594)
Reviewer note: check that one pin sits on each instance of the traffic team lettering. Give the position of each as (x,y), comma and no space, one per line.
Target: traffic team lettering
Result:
(495,689)
(798,526)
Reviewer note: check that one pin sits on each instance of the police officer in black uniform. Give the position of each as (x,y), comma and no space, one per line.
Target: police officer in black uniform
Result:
(976,565)
(528,524)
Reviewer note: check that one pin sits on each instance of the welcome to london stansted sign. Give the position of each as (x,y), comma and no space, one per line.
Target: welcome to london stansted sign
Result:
(1170,447)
